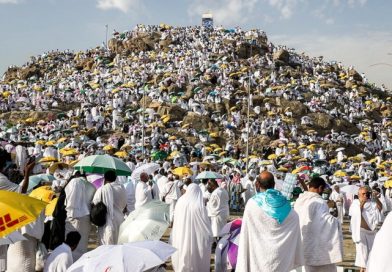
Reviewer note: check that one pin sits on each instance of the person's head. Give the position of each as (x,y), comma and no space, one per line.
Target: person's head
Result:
(187,181)
(326,193)
(364,193)
(110,176)
(212,185)
(5,159)
(317,185)
(337,188)
(265,181)
(72,239)
(144,177)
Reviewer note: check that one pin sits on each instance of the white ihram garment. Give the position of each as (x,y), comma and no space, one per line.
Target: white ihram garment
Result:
(218,210)
(320,233)
(262,235)
(114,196)
(191,233)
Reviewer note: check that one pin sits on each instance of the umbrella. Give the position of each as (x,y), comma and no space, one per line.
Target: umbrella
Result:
(121,154)
(56,165)
(48,159)
(340,149)
(135,257)
(11,238)
(350,189)
(182,171)
(17,210)
(96,180)
(159,155)
(230,234)
(148,222)
(43,193)
(99,164)
(209,175)
(148,168)
(51,206)
(35,180)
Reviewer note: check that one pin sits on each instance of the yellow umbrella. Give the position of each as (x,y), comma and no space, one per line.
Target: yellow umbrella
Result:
(182,171)
(340,174)
(172,138)
(301,146)
(51,206)
(40,142)
(205,163)
(75,126)
(17,210)
(56,165)
(333,161)
(61,140)
(214,134)
(72,163)
(214,146)
(70,153)
(293,152)
(108,147)
(355,177)
(50,143)
(185,126)
(222,153)
(295,158)
(282,169)
(126,147)
(121,154)
(218,149)
(272,157)
(43,193)
(48,159)
(67,150)
(265,163)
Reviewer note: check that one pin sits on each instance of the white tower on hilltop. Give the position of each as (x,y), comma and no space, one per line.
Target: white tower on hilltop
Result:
(207,20)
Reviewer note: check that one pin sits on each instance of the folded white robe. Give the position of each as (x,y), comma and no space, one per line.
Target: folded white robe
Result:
(321,232)
(266,245)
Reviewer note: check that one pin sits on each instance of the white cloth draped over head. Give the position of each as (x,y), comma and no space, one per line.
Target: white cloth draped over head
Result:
(380,259)
(266,245)
(321,233)
(370,214)
(191,234)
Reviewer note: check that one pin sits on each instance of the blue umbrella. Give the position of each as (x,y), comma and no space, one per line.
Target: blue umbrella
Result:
(35,180)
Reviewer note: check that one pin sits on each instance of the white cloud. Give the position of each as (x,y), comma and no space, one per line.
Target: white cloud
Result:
(361,51)
(122,5)
(9,1)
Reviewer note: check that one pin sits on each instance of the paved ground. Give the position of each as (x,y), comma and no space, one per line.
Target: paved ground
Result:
(349,247)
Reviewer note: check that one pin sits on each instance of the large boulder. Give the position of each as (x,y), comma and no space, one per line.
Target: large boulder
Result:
(296,107)
(11,74)
(321,120)
(246,50)
(355,75)
(281,55)
(29,71)
(198,122)
(176,112)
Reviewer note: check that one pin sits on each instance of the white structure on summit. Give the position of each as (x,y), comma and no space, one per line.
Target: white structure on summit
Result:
(207,20)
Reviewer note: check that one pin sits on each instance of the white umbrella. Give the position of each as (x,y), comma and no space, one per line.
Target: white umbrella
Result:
(11,238)
(350,189)
(132,257)
(340,149)
(149,222)
(148,168)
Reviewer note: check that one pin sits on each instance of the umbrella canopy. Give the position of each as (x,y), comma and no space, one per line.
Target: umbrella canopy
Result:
(209,175)
(48,159)
(148,168)
(132,257)
(350,189)
(99,164)
(148,222)
(182,171)
(17,210)
(43,193)
(35,180)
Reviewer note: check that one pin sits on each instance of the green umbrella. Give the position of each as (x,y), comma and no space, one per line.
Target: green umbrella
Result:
(209,175)
(159,155)
(99,164)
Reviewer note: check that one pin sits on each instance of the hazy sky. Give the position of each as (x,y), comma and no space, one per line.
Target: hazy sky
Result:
(355,32)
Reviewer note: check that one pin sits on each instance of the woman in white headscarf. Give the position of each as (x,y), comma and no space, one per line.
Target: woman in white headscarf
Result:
(191,234)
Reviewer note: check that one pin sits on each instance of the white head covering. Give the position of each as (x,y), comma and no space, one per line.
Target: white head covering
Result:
(191,235)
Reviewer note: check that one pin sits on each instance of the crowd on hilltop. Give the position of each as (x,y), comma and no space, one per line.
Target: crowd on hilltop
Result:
(178,96)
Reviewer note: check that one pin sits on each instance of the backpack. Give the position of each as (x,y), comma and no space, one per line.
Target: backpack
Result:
(98,214)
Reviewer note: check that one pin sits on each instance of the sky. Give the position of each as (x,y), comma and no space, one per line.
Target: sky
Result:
(354,32)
